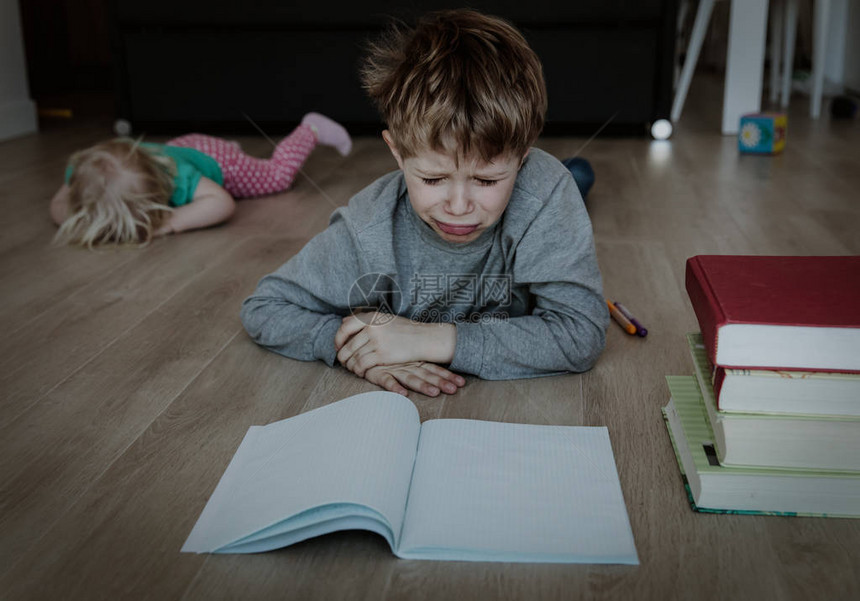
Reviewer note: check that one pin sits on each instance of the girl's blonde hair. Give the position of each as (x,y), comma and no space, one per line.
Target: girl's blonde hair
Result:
(118,194)
(459,82)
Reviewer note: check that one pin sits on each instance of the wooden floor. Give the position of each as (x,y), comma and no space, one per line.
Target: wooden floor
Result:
(128,381)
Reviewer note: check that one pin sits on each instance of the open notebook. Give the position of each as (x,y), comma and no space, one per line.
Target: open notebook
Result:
(449,489)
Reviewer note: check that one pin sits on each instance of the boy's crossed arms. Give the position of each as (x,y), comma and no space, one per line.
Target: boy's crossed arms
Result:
(402,352)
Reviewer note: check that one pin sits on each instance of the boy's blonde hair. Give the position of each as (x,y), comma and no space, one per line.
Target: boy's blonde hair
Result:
(118,194)
(459,82)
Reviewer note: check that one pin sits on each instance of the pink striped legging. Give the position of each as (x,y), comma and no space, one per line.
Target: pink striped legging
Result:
(246,176)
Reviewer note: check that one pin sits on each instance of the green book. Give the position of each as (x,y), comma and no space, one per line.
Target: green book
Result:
(817,442)
(716,488)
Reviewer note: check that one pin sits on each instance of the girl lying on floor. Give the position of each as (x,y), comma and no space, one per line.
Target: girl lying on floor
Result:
(126,192)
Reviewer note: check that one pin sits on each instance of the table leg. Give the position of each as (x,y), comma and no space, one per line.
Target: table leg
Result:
(745,62)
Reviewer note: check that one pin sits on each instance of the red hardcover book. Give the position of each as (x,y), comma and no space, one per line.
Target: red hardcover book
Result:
(778,312)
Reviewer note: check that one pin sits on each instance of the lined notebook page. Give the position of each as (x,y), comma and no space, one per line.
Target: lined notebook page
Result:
(516,492)
(359,450)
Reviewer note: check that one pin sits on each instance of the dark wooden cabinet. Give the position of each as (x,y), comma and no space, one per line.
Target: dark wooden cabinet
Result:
(190,64)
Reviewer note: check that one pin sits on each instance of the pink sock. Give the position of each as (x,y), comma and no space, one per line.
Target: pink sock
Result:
(329,132)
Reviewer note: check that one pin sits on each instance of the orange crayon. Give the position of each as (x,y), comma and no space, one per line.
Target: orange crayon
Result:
(618,316)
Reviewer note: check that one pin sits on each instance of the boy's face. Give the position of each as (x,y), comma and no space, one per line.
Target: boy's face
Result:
(458,201)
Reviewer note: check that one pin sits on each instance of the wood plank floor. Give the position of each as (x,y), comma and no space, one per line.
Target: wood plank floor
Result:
(127,380)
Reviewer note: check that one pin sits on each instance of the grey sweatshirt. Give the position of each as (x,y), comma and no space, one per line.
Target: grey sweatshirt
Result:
(526,296)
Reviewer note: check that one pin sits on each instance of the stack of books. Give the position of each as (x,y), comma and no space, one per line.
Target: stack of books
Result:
(770,422)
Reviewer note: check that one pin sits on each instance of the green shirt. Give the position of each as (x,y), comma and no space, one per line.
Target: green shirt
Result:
(190,163)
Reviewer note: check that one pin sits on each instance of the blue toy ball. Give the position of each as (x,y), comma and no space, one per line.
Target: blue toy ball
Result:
(582,174)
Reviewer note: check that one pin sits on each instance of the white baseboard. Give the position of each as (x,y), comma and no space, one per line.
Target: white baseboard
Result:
(18,119)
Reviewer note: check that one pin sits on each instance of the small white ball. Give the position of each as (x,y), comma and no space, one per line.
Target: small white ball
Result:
(121,127)
(661,129)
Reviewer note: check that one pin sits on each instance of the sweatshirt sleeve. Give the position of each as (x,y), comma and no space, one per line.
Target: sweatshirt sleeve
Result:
(566,328)
(297,310)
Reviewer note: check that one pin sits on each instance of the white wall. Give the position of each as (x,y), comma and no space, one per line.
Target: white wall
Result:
(852,47)
(17,111)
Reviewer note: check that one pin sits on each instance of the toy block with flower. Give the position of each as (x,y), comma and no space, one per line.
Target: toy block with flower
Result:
(762,133)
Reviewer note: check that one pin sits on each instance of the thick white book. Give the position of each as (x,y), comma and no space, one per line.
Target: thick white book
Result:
(447,489)
(781,391)
(772,391)
(718,488)
(819,442)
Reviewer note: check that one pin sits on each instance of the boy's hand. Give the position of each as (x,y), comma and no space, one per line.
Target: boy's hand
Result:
(420,376)
(363,344)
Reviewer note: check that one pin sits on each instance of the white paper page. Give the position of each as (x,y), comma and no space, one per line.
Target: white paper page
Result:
(359,450)
(515,492)
(309,524)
